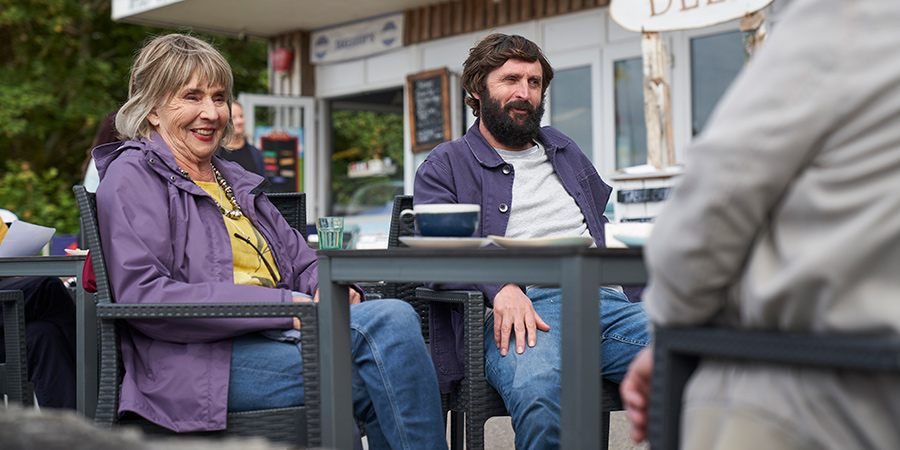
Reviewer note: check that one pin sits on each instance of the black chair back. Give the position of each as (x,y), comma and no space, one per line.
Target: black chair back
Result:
(292,206)
(14,371)
(405,291)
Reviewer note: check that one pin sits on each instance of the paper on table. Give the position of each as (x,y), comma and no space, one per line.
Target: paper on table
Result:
(25,239)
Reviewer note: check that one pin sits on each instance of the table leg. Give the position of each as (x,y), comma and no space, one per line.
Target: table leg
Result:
(334,342)
(581,397)
(86,369)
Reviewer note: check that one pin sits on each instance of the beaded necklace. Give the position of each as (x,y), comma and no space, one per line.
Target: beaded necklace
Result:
(236,212)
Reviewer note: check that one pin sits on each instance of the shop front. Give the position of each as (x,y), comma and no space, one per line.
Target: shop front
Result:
(355,56)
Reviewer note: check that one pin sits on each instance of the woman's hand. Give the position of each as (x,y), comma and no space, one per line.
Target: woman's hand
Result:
(302,299)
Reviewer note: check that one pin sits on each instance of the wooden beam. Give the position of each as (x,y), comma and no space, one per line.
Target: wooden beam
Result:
(490,14)
(468,15)
(409,29)
(479,12)
(457,16)
(424,25)
(527,11)
(503,12)
(446,19)
(657,102)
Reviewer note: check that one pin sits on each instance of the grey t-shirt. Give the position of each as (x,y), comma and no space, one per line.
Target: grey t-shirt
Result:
(541,207)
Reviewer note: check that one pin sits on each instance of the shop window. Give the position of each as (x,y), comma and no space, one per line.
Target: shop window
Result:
(570,106)
(631,127)
(715,62)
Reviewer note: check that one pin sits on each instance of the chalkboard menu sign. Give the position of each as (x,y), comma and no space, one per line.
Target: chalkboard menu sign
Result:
(429,101)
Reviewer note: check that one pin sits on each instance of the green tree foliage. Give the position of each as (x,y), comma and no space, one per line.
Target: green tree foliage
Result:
(63,66)
(362,136)
(41,198)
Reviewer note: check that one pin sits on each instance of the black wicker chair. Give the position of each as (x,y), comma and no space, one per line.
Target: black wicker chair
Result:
(296,426)
(473,401)
(14,371)
(677,351)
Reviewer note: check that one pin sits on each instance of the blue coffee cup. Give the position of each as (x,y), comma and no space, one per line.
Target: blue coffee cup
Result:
(444,219)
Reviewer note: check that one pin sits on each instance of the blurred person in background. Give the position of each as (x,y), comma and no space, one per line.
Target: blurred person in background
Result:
(106,133)
(238,149)
(49,333)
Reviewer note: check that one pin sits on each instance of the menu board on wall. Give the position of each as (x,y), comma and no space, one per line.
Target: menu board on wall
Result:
(429,108)
(283,158)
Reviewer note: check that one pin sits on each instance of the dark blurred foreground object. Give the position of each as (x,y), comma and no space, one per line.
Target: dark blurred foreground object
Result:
(29,429)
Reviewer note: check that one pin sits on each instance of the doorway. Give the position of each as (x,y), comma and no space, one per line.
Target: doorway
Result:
(366,163)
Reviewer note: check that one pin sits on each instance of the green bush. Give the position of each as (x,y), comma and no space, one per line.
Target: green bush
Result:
(39,198)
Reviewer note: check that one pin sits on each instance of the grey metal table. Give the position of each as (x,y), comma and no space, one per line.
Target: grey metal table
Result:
(85,319)
(578,271)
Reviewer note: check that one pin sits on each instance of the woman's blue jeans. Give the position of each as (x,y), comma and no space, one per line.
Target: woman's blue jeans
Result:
(529,383)
(395,389)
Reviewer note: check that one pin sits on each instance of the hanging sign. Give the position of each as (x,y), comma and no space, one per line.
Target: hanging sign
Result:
(127,8)
(669,15)
(357,39)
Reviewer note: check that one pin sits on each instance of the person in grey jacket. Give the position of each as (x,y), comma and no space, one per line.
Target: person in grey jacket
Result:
(181,225)
(788,218)
(531,182)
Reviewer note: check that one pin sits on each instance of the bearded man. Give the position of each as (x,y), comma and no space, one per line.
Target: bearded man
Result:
(531,182)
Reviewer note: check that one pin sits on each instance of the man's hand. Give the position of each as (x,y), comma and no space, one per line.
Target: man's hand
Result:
(635,392)
(354,299)
(513,311)
(354,296)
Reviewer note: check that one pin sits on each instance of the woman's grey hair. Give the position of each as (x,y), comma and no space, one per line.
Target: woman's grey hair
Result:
(162,67)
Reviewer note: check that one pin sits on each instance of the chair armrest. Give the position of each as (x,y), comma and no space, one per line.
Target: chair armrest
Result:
(466,297)
(374,291)
(473,336)
(677,352)
(109,373)
(204,310)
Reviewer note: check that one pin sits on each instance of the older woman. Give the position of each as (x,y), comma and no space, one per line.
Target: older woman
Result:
(185,226)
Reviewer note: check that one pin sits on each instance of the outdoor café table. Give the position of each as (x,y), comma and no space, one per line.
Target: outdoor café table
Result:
(578,271)
(85,337)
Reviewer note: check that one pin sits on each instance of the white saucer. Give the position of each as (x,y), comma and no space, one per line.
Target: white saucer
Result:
(558,241)
(444,242)
(76,252)
(632,241)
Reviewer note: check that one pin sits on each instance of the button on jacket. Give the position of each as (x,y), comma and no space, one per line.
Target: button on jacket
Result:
(469,170)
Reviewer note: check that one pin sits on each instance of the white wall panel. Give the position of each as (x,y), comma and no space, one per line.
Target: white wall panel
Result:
(388,69)
(573,31)
(450,52)
(340,78)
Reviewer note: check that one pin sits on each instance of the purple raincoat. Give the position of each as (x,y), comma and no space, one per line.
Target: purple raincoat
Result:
(165,241)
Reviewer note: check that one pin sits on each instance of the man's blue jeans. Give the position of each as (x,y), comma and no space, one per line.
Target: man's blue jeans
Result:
(395,388)
(529,383)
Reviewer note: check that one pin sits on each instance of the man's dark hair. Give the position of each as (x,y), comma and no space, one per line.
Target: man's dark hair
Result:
(493,52)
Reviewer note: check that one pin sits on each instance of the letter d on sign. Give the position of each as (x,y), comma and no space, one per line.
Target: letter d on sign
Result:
(653,8)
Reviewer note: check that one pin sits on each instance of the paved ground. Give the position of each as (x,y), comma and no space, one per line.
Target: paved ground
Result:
(499,435)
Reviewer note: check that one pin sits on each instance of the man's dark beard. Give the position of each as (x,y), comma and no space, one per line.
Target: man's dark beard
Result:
(511,130)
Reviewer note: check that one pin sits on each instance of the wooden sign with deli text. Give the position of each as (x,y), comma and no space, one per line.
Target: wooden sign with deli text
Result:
(670,15)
